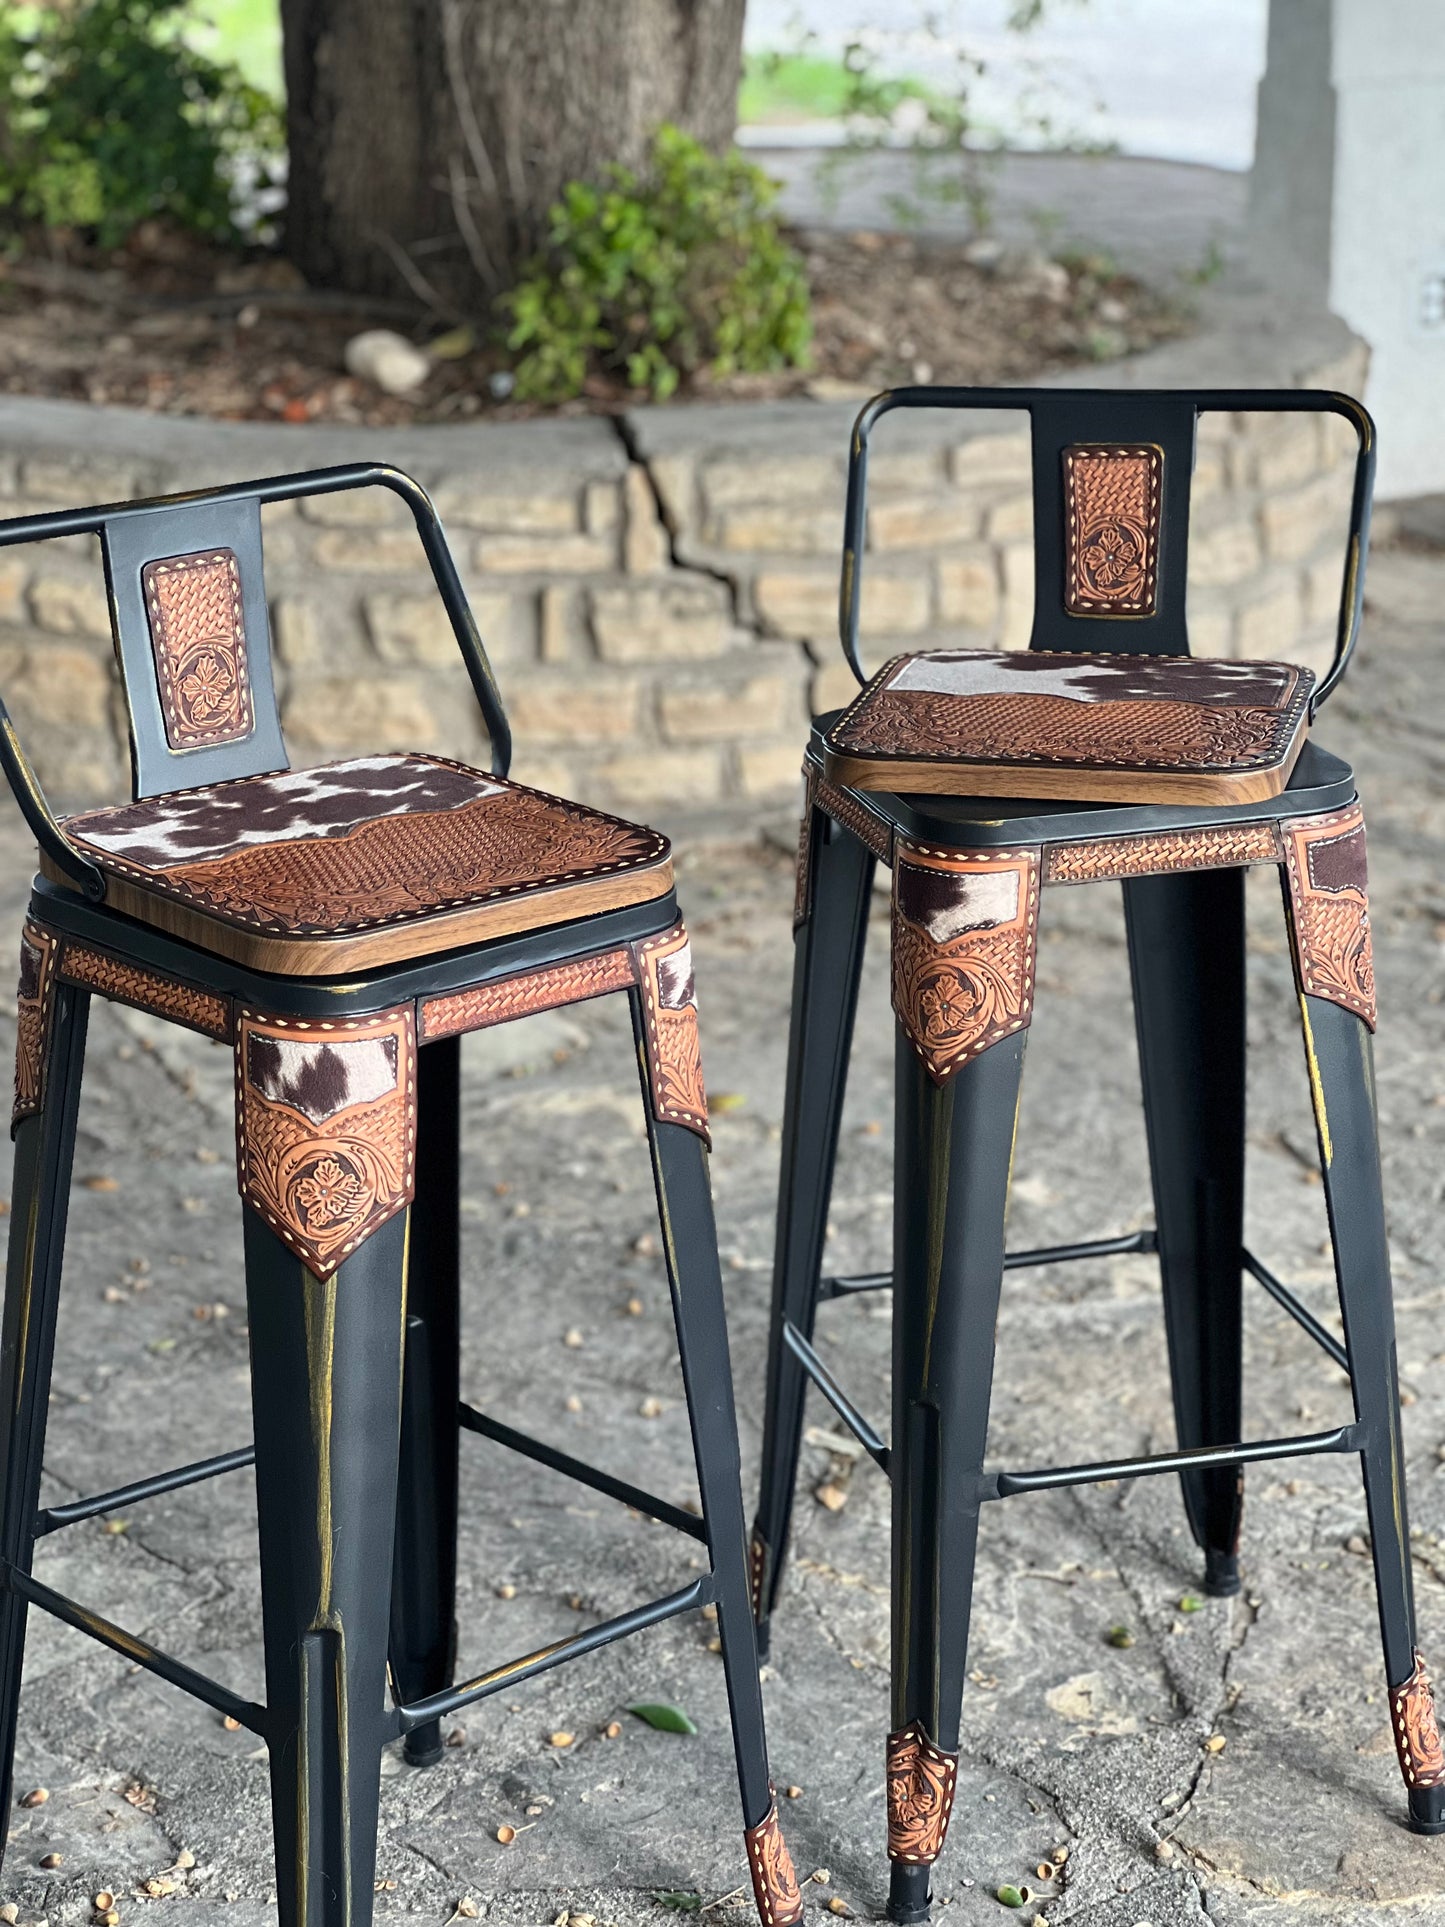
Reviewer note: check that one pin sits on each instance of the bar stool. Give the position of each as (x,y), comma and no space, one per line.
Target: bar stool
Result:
(1105,751)
(342,928)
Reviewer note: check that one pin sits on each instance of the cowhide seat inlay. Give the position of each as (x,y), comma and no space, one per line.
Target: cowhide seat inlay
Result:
(1108,727)
(365,861)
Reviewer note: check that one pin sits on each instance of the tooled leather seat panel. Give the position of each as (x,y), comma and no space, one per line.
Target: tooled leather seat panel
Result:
(354,845)
(1163,713)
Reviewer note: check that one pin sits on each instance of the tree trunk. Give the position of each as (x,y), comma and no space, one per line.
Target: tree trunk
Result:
(428,138)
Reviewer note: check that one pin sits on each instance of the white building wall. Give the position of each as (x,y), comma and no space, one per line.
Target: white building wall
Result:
(1387,251)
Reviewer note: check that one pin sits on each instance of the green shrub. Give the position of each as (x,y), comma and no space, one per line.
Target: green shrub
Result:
(107,119)
(658,276)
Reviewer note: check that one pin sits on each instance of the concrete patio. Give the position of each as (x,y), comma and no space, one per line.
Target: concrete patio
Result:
(1232,1765)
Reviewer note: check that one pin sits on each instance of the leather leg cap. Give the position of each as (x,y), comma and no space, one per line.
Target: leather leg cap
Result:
(1427,1809)
(909,1894)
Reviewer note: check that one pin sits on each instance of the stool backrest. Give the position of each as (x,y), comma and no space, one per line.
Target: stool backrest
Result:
(1112,470)
(187,592)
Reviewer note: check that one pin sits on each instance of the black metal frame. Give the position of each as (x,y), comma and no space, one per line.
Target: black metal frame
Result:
(356,1407)
(1165,418)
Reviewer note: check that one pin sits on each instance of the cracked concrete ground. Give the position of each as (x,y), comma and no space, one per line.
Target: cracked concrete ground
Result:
(1069,1741)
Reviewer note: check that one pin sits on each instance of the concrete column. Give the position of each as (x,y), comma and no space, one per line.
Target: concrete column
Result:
(1347,201)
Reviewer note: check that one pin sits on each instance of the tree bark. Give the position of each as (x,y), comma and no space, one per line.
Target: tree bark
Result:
(429,138)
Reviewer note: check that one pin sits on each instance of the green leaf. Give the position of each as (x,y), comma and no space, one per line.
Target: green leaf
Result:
(455,343)
(681,1903)
(661,1716)
(1010,1896)
(1191,1603)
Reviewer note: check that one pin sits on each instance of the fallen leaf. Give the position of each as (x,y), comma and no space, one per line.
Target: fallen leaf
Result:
(719,1103)
(662,1717)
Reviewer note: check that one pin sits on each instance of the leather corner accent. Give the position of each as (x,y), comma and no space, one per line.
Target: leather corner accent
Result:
(669,1010)
(33,1001)
(964,940)
(775,1885)
(326,1127)
(1417,1737)
(1112,511)
(760,1561)
(803,878)
(497,1003)
(198,639)
(128,983)
(1162,852)
(845,808)
(921,1782)
(1328,889)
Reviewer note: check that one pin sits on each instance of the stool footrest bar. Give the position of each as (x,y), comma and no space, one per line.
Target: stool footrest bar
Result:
(836,1396)
(440,1705)
(1301,1314)
(1004,1485)
(55,1516)
(130,1646)
(666,1514)
(1128,1241)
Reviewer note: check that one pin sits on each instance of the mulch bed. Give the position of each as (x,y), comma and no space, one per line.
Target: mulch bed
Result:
(170,325)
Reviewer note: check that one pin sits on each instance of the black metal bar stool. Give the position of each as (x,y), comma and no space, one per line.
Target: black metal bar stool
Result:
(342,928)
(1103,752)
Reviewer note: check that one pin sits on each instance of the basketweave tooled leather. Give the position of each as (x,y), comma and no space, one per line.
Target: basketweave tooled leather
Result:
(844,808)
(1328,884)
(1417,1736)
(964,931)
(355,845)
(670,1039)
(1161,852)
(33,1001)
(326,1127)
(775,1884)
(128,983)
(550,989)
(1112,504)
(198,640)
(1167,713)
(921,1781)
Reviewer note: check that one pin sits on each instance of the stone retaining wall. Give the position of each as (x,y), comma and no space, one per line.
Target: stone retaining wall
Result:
(659,594)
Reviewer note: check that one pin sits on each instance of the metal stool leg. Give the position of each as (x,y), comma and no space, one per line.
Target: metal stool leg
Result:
(1342,1079)
(424,1577)
(44,1145)
(664,1017)
(1186,955)
(326,1394)
(827,962)
(953,1151)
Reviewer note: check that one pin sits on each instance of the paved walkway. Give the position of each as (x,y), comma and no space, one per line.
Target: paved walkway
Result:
(1069,1740)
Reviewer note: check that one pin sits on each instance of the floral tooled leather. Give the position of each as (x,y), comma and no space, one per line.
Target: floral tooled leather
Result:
(921,1781)
(1417,1736)
(326,1127)
(1112,510)
(1329,904)
(964,931)
(775,1885)
(198,638)
(669,1011)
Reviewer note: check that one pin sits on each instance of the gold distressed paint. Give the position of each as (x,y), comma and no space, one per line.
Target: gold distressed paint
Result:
(319,1308)
(27,1284)
(1317,1088)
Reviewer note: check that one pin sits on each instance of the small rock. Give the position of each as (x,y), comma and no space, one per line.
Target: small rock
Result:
(612,1730)
(1215,1743)
(831,1497)
(505,1591)
(573,1340)
(792,1793)
(984,252)
(837,1905)
(36,1797)
(387,360)
(560,1739)
(50,1861)
(9,1913)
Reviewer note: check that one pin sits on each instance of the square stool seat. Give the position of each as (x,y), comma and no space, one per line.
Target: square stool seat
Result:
(1086,727)
(369,861)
